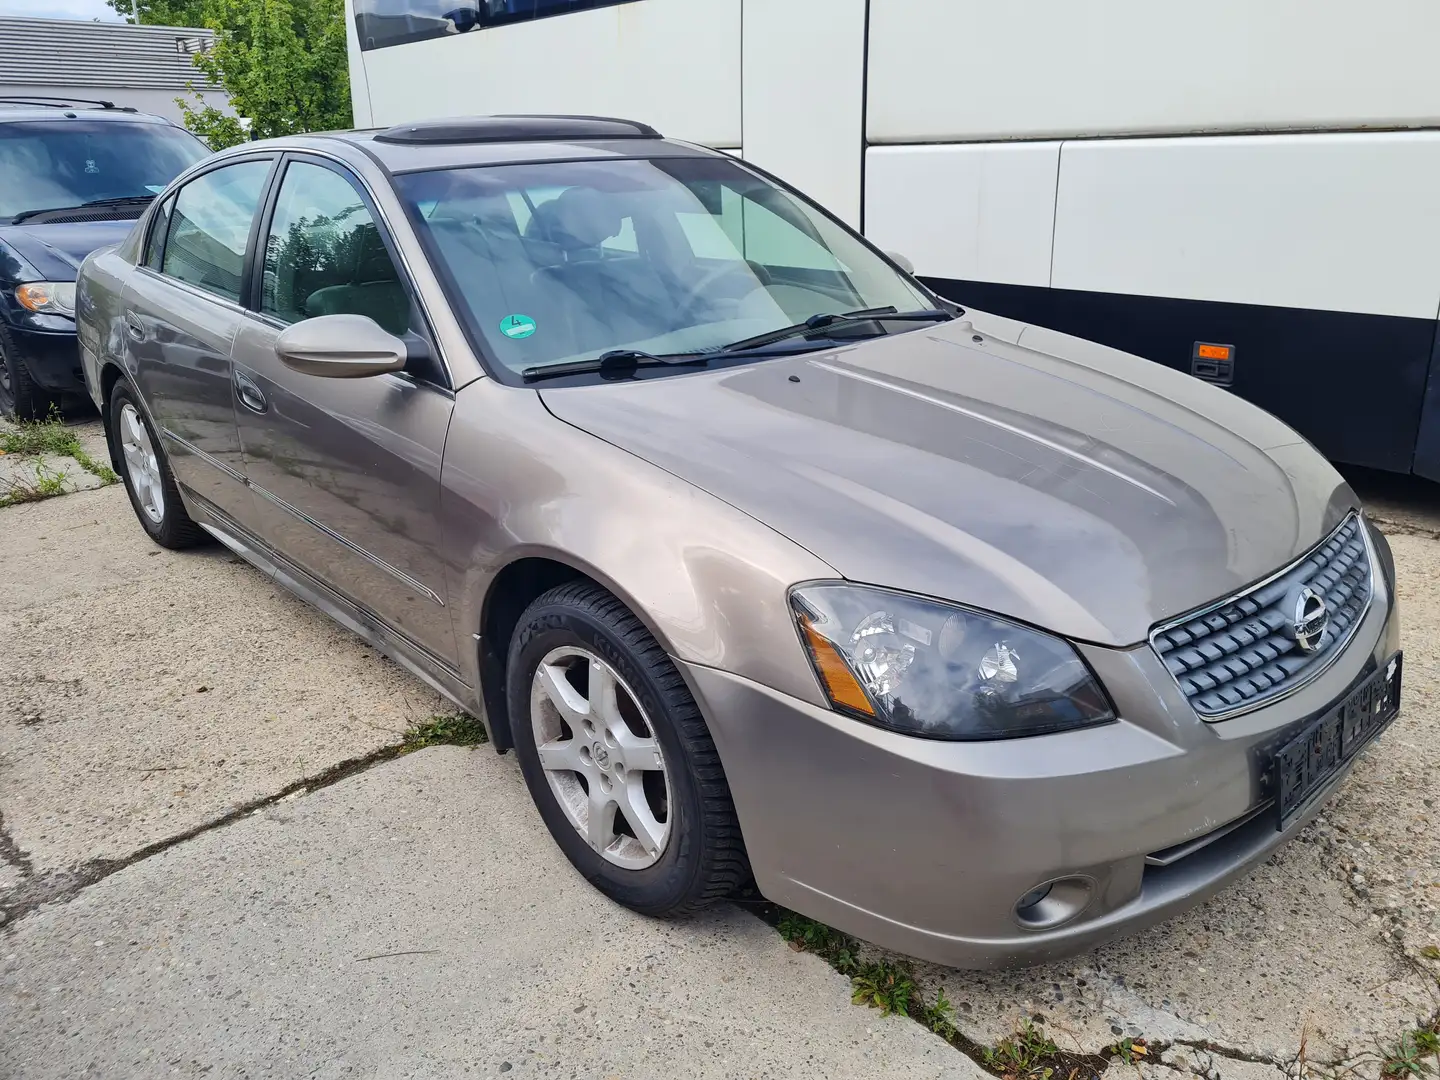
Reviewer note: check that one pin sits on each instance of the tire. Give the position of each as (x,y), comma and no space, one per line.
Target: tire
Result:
(165,519)
(703,858)
(20,396)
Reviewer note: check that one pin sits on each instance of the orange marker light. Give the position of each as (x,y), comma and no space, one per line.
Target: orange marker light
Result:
(1213,352)
(835,673)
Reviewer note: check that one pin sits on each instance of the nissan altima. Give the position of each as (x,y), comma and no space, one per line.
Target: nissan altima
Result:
(978,641)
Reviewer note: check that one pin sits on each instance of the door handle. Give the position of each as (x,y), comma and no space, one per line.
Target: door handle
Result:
(134,327)
(249,393)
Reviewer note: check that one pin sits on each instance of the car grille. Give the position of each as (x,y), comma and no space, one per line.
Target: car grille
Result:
(1240,653)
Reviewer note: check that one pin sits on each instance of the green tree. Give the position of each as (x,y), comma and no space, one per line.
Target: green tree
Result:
(163,12)
(282,62)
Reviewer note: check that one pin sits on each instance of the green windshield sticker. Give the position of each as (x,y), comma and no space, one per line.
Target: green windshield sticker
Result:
(517,326)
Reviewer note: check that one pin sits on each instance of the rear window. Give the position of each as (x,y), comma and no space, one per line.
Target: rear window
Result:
(54,164)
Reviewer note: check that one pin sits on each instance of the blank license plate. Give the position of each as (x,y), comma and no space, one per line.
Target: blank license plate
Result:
(1305,764)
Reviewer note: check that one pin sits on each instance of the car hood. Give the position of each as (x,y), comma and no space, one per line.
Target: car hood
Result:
(999,465)
(54,252)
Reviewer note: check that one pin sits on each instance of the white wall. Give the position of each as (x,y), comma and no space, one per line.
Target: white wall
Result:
(674,64)
(1333,222)
(960,70)
(803,75)
(977,212)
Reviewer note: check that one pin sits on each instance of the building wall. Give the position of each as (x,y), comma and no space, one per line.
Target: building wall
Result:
(143,67)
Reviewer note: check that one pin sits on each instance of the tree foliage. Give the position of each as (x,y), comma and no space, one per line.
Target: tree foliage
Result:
(282,62)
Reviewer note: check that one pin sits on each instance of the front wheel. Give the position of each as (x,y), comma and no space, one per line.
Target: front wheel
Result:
(617,757)
(146,473)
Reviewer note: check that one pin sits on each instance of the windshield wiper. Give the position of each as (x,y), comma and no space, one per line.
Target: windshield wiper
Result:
(122,200)
(819,322)
(613,362)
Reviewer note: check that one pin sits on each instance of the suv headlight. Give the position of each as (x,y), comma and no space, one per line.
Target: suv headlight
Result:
(47,297)
(926,668)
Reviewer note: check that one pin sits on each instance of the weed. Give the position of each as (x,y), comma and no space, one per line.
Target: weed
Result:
(883,985)
(48,437)
(461,729)
(939,1017)
(48,482)
(1408,1057)
(1431,952)
(1028,1053)
(826,942)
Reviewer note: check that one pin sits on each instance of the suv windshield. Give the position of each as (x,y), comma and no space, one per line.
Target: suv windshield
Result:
(564,261)
(49,164)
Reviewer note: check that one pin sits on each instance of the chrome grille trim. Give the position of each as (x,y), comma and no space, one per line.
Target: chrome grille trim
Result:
(1233,656)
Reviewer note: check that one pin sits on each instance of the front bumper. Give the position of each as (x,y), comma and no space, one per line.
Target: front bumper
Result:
(52,357)
(925,847)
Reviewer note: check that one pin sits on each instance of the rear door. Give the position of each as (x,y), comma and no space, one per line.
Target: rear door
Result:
(181,310)
(346,471)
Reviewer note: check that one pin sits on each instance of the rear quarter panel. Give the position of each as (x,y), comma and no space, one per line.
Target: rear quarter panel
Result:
(99,286)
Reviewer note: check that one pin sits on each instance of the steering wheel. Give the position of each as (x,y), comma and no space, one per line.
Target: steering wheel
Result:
(758,278)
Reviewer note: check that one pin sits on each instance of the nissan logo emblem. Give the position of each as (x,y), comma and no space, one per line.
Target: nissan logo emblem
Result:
(1309,619)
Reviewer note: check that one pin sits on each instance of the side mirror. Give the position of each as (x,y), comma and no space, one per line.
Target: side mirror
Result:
(901,261)
(340,347)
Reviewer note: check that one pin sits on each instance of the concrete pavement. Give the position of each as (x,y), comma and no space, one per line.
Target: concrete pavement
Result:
(416,920)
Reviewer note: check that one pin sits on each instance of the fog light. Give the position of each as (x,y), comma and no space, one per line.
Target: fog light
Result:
(1054,903)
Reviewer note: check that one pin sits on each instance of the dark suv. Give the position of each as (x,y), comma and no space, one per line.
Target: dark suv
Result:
(73,177)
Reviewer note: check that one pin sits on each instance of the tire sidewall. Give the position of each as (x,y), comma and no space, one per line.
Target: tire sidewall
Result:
(554,625)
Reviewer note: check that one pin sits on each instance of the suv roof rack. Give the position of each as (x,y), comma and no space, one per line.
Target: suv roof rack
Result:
(507,128)
(43,101)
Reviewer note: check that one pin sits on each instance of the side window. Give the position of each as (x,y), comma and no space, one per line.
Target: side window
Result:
(159,224)
(324,255)
(210,226)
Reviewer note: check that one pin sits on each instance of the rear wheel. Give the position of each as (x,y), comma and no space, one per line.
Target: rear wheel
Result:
(146,473)
(617,757)
(20,396)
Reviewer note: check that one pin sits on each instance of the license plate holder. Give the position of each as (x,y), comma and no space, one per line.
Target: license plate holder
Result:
(1304,766)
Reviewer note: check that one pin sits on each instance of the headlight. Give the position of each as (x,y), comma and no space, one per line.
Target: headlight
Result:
(47,297)
(926,668)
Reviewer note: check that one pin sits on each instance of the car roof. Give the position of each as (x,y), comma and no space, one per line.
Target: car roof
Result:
(22,107)
(496,140)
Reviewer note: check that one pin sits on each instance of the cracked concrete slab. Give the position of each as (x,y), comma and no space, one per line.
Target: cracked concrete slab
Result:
(417,921)
(144,692)
(29,472)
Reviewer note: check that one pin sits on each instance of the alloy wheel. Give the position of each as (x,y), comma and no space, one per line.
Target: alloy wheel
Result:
(600,757)
(141,464)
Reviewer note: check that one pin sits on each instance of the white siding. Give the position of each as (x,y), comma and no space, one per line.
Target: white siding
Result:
(1332,222)
(969,70)
(671,63)
(982,213)
(359,82)
(804,88)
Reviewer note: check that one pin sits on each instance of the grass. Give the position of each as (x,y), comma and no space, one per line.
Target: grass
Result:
(46,438)
(891,986)
(1415,1054)
(48,483)
(461,729)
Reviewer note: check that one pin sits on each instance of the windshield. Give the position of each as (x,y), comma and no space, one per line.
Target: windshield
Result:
(564,261)
(48,164)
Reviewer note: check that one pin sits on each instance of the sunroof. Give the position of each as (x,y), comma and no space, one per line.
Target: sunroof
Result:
(476,129)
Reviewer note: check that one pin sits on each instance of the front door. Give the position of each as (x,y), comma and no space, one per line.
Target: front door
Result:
(346,472)
(181,311)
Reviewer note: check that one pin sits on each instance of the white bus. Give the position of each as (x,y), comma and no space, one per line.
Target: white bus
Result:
(1246,191)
